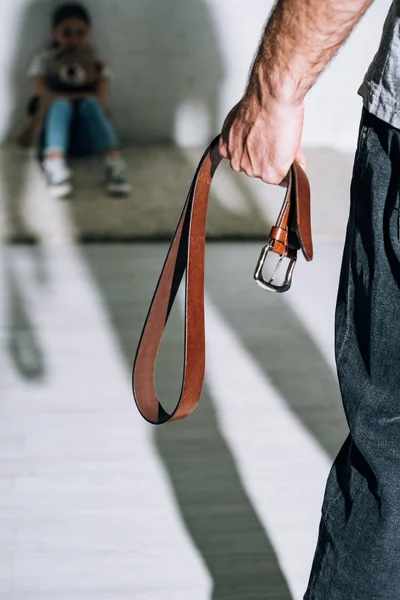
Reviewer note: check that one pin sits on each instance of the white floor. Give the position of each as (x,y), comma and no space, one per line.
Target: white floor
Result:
(95,503)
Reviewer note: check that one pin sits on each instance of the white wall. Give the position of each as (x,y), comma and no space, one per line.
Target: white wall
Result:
(179,66)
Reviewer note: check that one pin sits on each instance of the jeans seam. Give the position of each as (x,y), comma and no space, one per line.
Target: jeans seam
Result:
(359,158)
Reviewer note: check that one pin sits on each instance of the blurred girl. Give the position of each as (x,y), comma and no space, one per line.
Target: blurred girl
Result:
(77,117)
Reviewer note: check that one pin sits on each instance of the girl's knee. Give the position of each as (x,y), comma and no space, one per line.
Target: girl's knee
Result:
(91,104)
(59,112)
(61,104)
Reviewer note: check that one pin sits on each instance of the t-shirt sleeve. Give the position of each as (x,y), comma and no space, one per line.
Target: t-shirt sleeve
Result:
(39,64)
(105,68)
(106,71)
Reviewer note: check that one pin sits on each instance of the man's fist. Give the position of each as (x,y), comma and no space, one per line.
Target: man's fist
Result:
(263,141)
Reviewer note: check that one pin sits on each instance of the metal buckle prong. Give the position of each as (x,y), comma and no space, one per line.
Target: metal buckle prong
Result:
(268,285)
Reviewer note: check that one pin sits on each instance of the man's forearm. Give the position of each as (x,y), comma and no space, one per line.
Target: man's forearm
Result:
(299,40)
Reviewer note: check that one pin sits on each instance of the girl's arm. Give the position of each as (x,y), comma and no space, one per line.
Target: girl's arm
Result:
(41,89)
(102,95)
(39,85)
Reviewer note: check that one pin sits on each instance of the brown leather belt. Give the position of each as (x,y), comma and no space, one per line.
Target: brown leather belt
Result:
(186,254)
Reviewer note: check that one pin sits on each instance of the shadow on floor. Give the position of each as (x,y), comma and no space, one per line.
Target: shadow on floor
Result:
(208,488)
(212,500)
(23,342)
(280,345)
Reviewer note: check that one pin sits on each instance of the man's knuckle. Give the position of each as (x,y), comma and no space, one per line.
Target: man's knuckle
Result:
(249,172)
(223,150)
(235,164)
(268,176)
(273,176)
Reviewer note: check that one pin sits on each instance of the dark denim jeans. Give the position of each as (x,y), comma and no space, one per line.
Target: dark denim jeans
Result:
(358,550)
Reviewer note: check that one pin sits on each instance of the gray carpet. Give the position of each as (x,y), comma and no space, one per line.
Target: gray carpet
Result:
(239,207)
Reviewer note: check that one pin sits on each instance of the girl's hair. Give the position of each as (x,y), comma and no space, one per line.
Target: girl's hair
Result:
(71,10)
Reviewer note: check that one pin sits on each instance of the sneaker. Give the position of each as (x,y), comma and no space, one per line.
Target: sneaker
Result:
(116,183)
(58,177)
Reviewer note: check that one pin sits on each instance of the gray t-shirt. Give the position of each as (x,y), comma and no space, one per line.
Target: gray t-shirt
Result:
(380,89)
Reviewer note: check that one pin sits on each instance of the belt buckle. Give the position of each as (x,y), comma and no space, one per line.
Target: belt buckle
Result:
(269,285)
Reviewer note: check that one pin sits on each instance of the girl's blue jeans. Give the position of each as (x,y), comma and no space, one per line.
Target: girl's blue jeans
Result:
(78,127)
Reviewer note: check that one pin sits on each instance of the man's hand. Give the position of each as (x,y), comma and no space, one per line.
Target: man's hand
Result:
(263,141)
(261,135)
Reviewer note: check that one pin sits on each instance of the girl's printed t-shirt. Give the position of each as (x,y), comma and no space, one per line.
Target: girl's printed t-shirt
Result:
(41,62)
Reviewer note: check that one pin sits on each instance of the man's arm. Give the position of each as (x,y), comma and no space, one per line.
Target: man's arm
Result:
(261,135)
